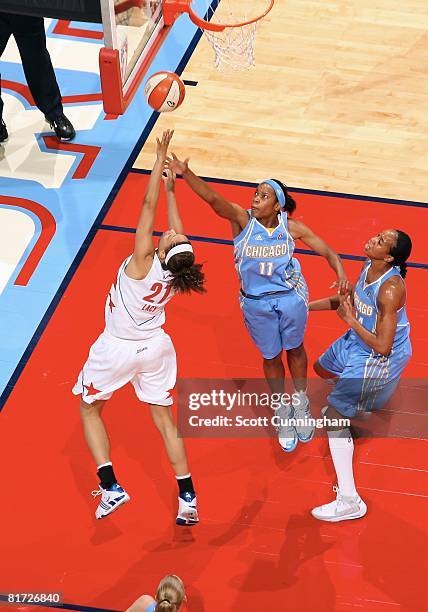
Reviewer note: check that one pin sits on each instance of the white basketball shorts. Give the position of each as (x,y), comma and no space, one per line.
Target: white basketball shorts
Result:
(150,365)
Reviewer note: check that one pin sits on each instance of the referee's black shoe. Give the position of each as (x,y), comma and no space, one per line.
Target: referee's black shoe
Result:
(62,126)
(3,131)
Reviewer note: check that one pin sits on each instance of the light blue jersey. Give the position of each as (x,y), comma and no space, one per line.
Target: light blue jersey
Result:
(366,379)
(365,302)
(264,259)
(274,296)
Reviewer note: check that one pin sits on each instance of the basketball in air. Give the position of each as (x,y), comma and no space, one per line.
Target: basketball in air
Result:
(164,91)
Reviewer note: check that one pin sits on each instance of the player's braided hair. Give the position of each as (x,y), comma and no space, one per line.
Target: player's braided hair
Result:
(401,251)
(186,275)
(290,204)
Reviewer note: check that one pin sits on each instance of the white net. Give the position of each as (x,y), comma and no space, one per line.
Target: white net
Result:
(234,47)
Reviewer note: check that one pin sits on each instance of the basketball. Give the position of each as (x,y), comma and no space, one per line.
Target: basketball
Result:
(164,91)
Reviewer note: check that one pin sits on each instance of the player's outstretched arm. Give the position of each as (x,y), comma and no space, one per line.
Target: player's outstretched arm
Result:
(300,231)
(391,298)
(333,302)
(328,303)
(344,289)
(174,219)
(221,206)
(142,257)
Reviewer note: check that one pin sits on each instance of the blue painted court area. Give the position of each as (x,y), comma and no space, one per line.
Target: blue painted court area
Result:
(76,25)
(105,151)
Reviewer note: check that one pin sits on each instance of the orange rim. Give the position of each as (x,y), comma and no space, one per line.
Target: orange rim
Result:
(219,27)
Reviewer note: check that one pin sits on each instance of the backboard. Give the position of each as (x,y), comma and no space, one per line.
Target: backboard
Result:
(133,31)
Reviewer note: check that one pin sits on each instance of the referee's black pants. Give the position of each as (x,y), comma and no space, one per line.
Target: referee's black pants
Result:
(29,33)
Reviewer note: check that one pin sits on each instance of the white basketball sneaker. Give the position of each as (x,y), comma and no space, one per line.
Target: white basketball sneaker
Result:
(287,435)
(302,412)
(342,509)
(111,500)
(187,509)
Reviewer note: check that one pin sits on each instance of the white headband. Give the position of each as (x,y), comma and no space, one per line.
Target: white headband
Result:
(179,248)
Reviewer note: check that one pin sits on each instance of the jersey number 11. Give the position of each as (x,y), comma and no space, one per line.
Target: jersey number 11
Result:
(266,268)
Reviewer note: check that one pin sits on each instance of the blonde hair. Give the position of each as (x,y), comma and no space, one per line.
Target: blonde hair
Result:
(170,594)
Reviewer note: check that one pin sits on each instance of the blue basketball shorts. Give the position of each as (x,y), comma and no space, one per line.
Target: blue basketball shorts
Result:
(366,380)
(276,322)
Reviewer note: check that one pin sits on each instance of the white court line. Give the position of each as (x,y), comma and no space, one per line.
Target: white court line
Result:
(358,565)
(359,487)
(398,467)
(381,601)
(395,492)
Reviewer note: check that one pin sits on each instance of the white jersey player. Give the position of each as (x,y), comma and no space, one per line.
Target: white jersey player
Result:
(133,346)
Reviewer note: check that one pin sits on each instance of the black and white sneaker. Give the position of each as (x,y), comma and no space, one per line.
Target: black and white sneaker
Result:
(187,509)
(62,126)
(3,131)
(111,500)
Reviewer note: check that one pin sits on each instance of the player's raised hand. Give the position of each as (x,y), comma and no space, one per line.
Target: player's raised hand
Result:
(343,286)
(346,311)
(168,177)
(176,165)
(163,144)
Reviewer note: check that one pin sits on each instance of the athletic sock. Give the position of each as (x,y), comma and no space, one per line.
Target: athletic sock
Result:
(342,449)
(106,475)
(185,484)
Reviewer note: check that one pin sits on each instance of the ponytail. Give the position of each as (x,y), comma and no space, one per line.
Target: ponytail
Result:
(290,204)
(170,594)
(401,252)
(403,269)
(165,606)
(186,275)
(187,279)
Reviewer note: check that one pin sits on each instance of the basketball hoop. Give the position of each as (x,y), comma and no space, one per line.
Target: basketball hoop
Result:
(229,26)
